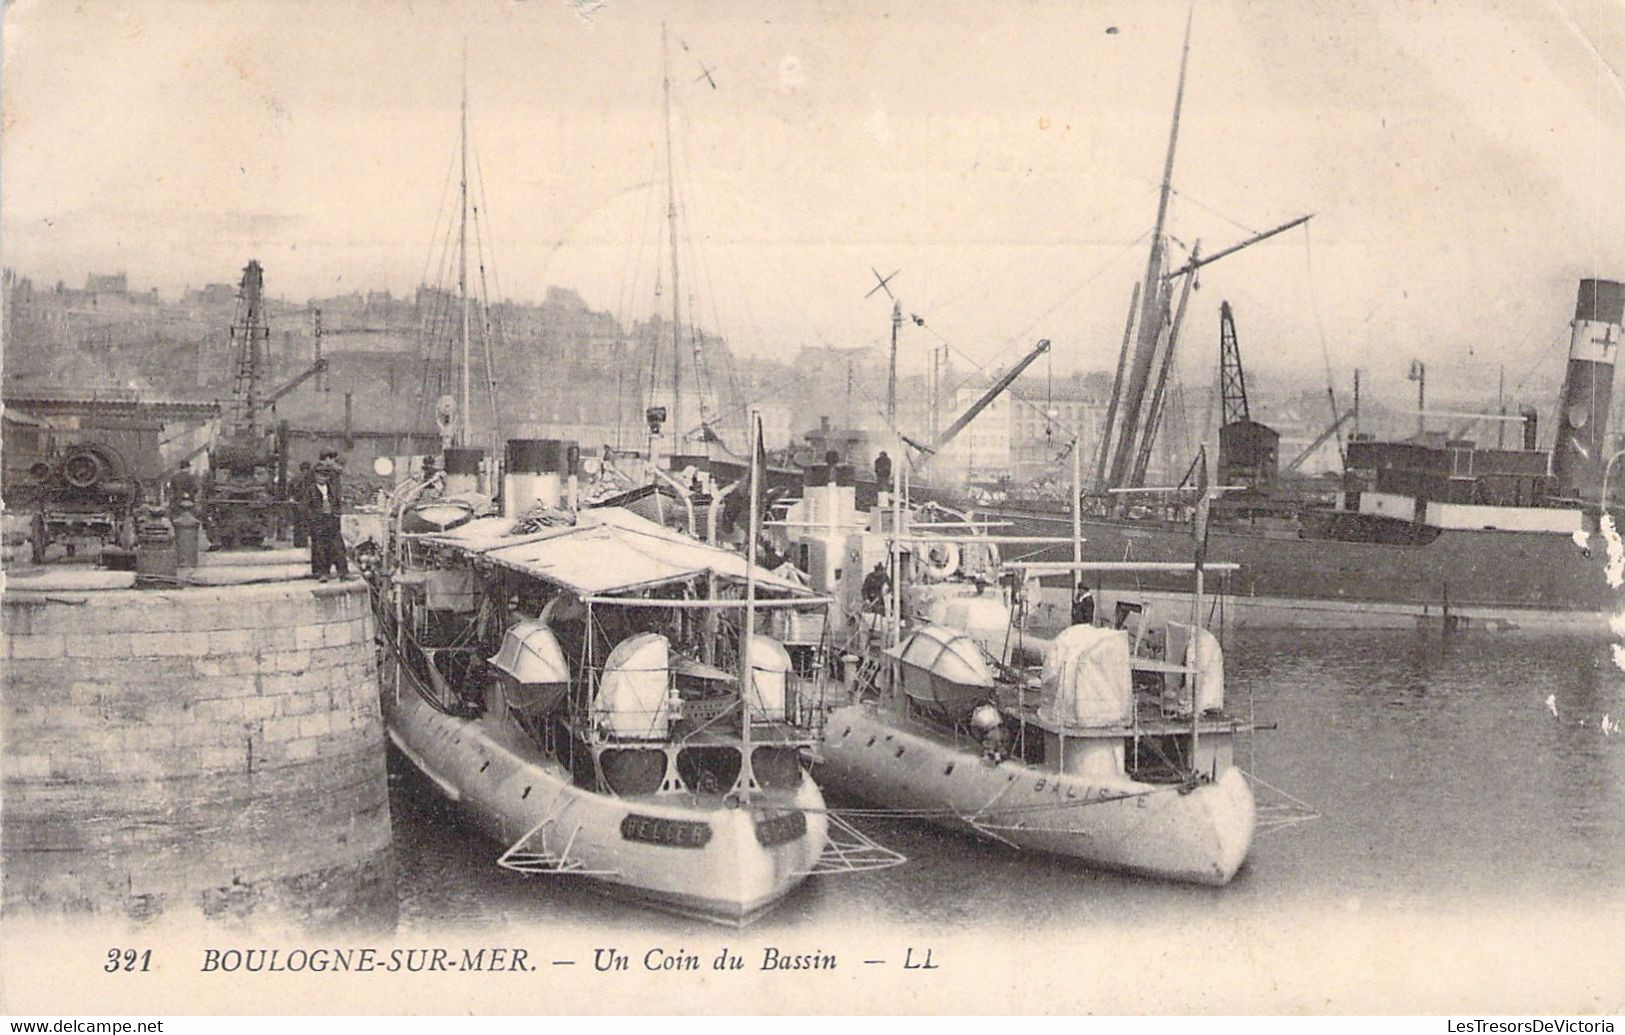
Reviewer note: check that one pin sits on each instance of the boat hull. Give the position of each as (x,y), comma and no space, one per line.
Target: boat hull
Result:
(1201,835)
(1499,580)
(508,789)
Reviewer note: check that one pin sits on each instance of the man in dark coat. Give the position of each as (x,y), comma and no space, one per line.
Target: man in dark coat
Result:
(1083,606)
(324,503)
(296,495)
(875,586)
(183,485)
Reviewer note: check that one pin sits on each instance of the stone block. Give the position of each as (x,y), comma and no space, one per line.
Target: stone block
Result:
(304,749)
(276,638)
(98,645)
(298,704)
(286,728)
(196,733)
(232,641)
(319,724)
(336,634)
(150,737)
(291,661)
(65,715)
(329,658)
(224,758)
(165,644)
(222,709)
(120,709)
(47,645)
(283,684)
(148,671)
(27,767)
(226,665)
(260,707)
(225,687)
(307,637)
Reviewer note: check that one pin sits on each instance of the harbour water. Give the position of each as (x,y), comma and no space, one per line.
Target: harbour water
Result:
(1442,779)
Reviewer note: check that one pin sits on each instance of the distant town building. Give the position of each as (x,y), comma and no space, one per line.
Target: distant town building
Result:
(107,284)
(1047,415)
(982,451)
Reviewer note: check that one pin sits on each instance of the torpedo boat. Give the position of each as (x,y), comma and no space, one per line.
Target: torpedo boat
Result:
(590,689)
(1114,750)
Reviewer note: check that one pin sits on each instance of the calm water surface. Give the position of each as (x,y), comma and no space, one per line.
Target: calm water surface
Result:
(1440,774)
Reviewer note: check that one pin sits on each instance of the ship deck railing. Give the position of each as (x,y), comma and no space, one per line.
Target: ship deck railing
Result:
(1149,719)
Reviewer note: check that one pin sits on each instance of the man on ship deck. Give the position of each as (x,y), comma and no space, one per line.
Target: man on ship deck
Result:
(875,585)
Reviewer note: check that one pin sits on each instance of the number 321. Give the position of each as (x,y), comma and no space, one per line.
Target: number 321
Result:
(127,960)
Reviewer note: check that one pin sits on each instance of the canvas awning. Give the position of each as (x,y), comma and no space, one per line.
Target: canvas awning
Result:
(608,551)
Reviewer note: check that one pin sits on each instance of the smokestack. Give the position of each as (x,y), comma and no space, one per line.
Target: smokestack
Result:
(844,499)
(1531,427)
(1582,415)
(535,473)
(462,467)
(814,490)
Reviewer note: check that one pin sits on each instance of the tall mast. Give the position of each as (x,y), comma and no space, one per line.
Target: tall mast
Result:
(1153,296)
(671,221)
(747,676)
(463,436)
(891,376)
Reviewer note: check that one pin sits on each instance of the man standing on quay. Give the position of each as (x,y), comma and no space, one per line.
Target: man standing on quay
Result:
(324,503)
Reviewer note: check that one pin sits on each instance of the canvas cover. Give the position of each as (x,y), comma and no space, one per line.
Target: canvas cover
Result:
(985,619)
(449,589)
(608,552)
(1210,660)
(530,654)
(769,666)
(1087,680)
(946,654)
(631,700)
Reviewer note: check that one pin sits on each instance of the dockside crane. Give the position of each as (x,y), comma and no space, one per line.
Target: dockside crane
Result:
(248,463)
(1232,378)
(929,452)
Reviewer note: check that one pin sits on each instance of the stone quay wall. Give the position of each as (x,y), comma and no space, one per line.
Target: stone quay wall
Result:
(214,749)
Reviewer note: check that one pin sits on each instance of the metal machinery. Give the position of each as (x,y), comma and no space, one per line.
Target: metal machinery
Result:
(1249,452)
(88,492)
(244,490)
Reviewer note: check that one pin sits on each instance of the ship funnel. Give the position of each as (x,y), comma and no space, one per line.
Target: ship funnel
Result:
(843,498)
(1582,417)
(537,471)
(463,470)
(814,494)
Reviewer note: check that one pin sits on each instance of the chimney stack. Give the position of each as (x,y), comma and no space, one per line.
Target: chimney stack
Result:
(1582,416)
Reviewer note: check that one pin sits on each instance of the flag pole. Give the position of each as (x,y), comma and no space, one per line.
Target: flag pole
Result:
(1199,530)
(1077,513)
(747,684)
(895,617)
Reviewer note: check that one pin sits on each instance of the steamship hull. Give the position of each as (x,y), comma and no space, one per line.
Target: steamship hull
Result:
(1502,580)
(739,867)
(1105,821)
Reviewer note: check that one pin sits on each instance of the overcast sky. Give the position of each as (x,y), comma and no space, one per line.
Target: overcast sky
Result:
(1465,162)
